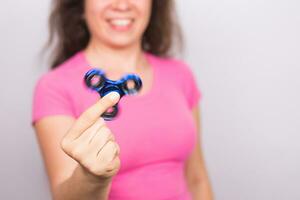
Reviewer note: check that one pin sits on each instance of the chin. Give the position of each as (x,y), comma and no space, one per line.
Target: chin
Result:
(122,42)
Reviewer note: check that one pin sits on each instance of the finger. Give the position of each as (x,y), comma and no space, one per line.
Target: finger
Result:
(117,149)
(107,153)
(113,166)
(89,116)
(98,141)
(101,139)
(90,133)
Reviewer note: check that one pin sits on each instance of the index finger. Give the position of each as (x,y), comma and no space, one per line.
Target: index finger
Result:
(90,115)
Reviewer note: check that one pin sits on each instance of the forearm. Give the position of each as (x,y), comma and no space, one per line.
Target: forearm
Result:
(201,190)
(81,187)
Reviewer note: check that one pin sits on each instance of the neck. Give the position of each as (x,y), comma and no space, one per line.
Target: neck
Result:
(114,59)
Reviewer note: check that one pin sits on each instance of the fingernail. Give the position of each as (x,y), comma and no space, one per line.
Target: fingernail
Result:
(114,96)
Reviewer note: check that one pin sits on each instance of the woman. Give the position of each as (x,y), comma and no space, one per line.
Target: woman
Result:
(151,149)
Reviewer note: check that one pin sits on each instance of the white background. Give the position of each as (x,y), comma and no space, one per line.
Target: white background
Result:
(246,58)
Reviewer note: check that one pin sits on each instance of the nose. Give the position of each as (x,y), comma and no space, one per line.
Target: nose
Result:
(122,5)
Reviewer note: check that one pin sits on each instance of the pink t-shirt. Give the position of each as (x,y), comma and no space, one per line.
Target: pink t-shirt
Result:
(156,131)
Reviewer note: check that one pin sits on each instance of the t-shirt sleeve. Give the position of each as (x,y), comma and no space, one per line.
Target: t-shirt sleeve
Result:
(50,98)
(191,89)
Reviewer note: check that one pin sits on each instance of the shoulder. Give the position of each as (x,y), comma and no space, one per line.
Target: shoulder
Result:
(51,93)
(168,61)
(60,75)
(172,66)
(179,73)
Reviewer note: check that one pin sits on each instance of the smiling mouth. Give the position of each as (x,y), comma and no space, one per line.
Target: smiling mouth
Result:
(121,24)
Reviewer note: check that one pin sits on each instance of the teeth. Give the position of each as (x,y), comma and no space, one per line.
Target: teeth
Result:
(120,22)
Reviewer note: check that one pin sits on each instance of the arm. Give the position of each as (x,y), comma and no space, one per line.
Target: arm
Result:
(68,179)
(81,155)
(196,174)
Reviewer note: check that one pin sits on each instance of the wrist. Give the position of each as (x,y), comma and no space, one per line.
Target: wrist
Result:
(90,178)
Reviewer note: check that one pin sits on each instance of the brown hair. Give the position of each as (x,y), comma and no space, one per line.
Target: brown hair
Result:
(66,19)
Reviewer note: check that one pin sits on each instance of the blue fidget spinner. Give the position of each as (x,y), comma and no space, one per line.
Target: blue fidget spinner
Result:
(129,84)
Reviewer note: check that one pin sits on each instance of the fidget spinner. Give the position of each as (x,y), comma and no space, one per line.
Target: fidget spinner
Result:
(96,80)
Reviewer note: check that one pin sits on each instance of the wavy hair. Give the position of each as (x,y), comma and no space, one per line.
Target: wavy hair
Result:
(161,35)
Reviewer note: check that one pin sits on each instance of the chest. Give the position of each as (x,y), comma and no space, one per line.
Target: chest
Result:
(157,127)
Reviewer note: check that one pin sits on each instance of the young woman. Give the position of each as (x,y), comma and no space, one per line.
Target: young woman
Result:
(151,150)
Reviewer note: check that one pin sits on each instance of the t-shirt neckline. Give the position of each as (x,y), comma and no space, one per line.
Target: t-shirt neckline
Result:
(138,97)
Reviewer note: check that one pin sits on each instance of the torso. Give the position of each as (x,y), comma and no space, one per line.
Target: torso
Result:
(155,129)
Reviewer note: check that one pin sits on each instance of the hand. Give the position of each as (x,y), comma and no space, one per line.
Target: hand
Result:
(91,143)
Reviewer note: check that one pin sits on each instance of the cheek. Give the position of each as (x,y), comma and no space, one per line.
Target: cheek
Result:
(97,5)
(94,8)
(144,8)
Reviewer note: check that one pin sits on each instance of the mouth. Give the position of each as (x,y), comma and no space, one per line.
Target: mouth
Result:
(121,24)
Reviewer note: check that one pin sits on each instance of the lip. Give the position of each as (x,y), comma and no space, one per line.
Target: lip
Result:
(120,24)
